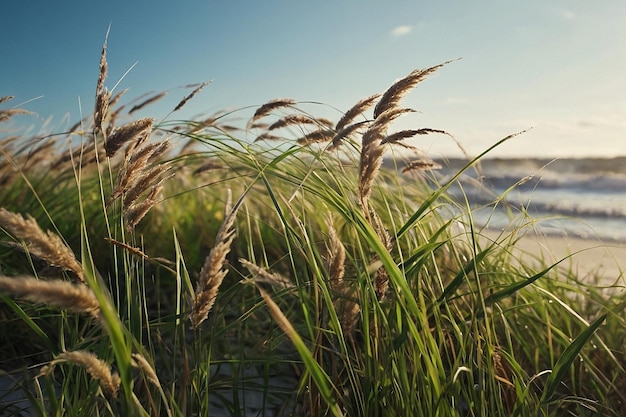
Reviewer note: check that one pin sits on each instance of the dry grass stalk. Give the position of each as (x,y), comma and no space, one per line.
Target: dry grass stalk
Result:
(147,102)
(103,96)
(384,119)
(343,133)
(278,315)
(209,166)
(405,134)
(147,179)
(131,249)
(139,361)
(259,125)
(135,179)
(420,165)
(213,272)
(137,211)
(139,130)
(7,114)
(337,256)
(96,367)
(262,275)
(75,126)
(292,119)
(116,98)
(271,105)
(502,375)
(38,156)
(267,136)
(348,309)
(135,164)
(372,151)
(322,121)
(56,293)
(369,165)
(394,94)
(190,96)
(357,109)
(47,246)
(211,121)
(317,136)
(138,157)
(381,277)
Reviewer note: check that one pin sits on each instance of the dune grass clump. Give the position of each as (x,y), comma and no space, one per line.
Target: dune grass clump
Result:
(333,286)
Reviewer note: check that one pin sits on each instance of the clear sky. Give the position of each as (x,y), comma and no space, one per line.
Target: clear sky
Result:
(558,67)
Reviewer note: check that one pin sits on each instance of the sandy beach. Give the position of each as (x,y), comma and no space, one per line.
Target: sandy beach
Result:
(590,258)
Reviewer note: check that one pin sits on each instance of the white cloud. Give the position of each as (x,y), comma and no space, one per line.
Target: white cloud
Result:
(401,30)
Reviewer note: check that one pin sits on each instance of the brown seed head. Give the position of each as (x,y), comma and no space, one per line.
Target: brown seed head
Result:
(139,361)
(7,114)
(147,102)
(265,276)
(102,94)
(96,367)
(292,119)
(420,165)
(213,272)
(47,246)
(271,105)
(190,96)
(317,136)
(357,109)
(55,293)
(138,130)
(394,94)
(405,134)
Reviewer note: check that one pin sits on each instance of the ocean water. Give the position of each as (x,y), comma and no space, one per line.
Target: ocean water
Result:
(566,197)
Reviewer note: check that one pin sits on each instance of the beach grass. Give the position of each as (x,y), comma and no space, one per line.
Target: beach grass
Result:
(183,268)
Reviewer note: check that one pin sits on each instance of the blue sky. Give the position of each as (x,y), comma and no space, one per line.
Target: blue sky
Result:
(558,67)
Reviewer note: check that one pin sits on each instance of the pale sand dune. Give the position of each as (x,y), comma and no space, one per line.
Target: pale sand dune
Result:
(590,258)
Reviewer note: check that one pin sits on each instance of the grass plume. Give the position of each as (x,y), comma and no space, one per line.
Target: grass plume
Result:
(147,102)
(96,367)
(45,245)
(391,98)
(190,96)
(103,96)
(213,271)
(137,131)
(270,106)
(54,293)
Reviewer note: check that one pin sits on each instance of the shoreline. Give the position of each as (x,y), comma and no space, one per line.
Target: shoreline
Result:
(590,259)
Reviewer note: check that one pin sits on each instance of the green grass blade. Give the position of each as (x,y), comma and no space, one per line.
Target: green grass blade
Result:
(460,277)
(567,358)
(322,380)
(441,190)
(24,316)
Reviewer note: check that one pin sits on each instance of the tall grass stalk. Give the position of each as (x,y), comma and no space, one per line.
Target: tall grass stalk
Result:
(368,296)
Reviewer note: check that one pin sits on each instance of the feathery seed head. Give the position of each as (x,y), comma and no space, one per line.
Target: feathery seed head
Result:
(147,101)
(55,293)
(213,272)
(400,88)
(47,246)
(96,367)
(271,105)
(190,96)
(361,106)
(139,129)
